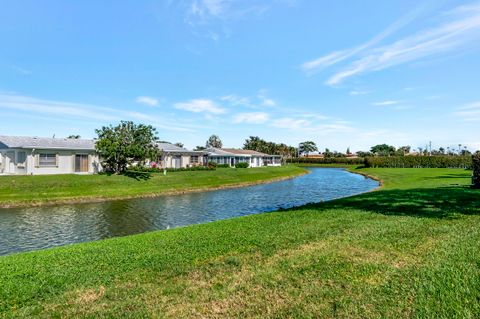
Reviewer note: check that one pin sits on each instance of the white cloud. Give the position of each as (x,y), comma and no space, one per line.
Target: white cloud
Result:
(385,103)
(200,106)
(236,100)
(147,100)
(291,123)
(79,111)
(358,92)
(264,100)
(469,112)
(251,118)
(463,28)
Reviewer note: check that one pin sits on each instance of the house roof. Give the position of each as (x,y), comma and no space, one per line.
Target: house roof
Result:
(174,149)
(236,152)
(45,143)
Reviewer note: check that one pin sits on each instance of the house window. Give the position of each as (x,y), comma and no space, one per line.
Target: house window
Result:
(21,157)
(193,159)
(46,160)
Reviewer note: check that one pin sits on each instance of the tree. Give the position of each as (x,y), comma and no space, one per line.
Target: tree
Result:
(403,150)
(476,170)
(74,137)
(327,153)
(122,145)
(199,148)
(179,144)
(214,141)
(383,150)
(307,147)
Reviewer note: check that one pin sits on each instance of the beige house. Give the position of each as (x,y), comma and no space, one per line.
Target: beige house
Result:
(22,155)
(173,156)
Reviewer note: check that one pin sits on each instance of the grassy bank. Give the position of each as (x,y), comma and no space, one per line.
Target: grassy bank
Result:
(411,249)
(41,189)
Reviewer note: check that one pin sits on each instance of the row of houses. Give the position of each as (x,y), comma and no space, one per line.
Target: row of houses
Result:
(20,155)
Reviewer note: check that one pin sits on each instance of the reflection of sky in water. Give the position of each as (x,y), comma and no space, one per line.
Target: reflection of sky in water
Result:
(41,227)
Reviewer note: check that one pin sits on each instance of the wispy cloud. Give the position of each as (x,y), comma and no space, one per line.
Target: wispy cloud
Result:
(80,112)
(339,56)
(21,70)
(200,106)
(251,118)
(147,100)
(235,100)
(358,92)
(385,103)
(470,112)
(459,27)
(265,101)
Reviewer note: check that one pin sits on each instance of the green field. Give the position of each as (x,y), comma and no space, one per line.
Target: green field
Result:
(411,249)
(40,189)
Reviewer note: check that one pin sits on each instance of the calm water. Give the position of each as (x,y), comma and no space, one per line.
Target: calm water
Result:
(24,229)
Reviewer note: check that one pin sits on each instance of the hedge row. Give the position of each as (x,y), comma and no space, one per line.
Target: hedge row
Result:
(476,170)
(328,160)
(420,161)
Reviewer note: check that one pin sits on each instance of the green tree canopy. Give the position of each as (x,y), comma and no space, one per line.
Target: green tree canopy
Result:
(307,147)
(122,145)
(214,141)
(73,137)
(383,150)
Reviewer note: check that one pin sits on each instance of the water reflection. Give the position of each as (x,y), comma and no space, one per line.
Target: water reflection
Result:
(41,227)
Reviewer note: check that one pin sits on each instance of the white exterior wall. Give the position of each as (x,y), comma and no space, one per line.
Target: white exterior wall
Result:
(65,162)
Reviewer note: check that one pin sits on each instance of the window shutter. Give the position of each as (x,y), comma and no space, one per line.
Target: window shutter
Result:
(56,159)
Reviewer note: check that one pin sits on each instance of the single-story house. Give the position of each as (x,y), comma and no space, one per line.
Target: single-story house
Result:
(232,156)
(22,155)
(173,156)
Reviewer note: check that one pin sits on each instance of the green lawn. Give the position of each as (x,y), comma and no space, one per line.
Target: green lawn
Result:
(27,190)
(411,249)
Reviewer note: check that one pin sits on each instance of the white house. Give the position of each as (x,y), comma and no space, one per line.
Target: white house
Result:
(21,155)
(173,156)
(232,156)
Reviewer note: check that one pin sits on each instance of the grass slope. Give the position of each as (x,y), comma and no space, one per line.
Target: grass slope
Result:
(411,249)
(25,190)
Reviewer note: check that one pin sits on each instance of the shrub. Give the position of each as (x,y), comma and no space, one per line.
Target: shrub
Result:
(476,170)
(212,164)
(328,160)
(446,161)
(223,166)
(241,165)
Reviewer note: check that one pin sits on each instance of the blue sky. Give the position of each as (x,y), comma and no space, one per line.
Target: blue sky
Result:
(340,73)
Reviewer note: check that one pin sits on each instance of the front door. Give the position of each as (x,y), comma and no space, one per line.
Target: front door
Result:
(81,163)
(177,162)
(232,161)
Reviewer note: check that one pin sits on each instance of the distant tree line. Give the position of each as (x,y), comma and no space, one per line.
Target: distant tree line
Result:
(255,143)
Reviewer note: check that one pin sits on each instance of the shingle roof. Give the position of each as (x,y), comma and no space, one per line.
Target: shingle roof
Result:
(45,143)
(172,148)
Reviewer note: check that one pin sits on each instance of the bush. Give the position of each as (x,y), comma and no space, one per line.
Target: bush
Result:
(223,166)
(212,164)
(328,160)
(476,170)
(445,161)
(241,165)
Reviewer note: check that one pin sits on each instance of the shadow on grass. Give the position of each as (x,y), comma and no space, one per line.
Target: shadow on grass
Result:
(443,202)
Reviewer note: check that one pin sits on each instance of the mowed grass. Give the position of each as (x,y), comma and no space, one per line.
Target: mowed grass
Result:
(25,190)
(411,249)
